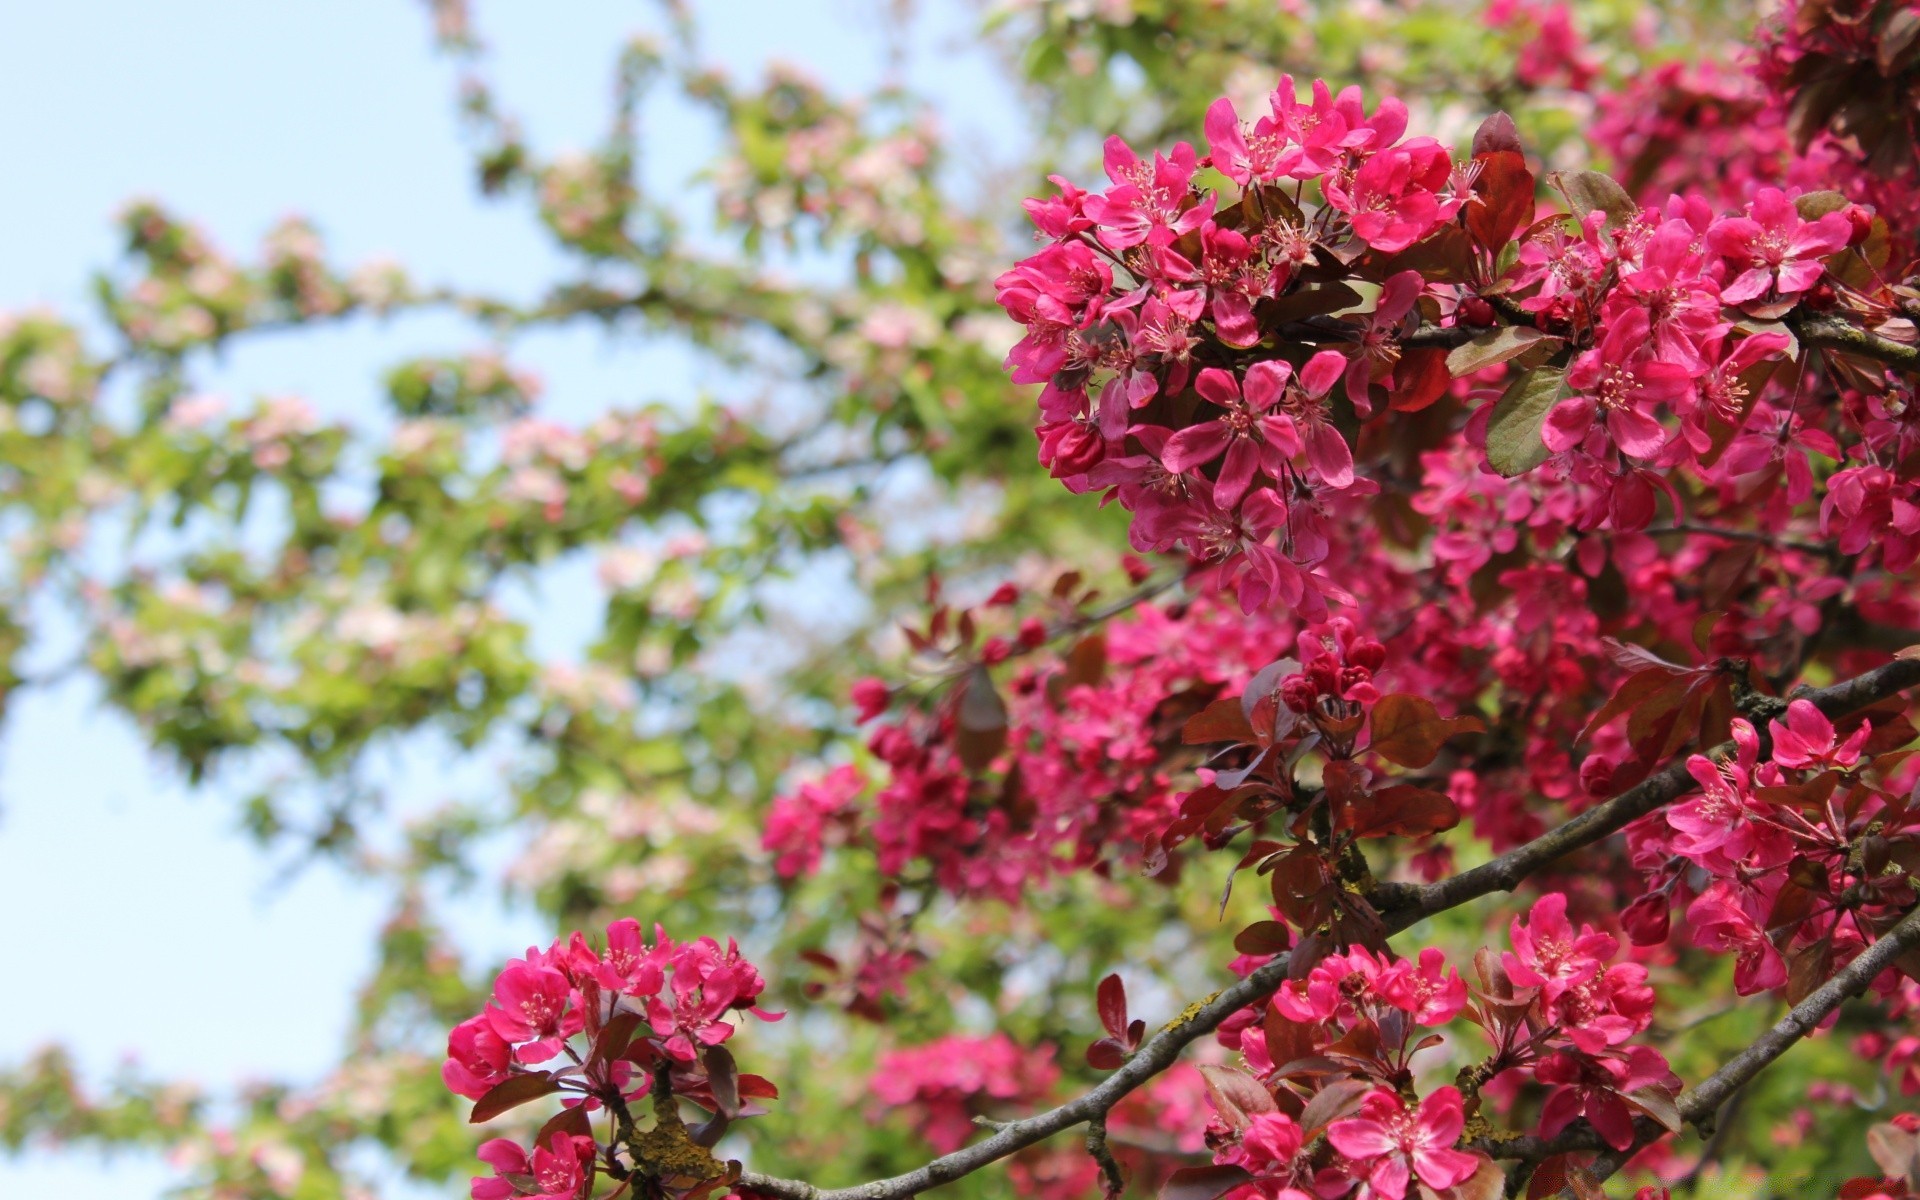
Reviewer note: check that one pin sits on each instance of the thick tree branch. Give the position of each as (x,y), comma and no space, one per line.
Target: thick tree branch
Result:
(1831,333)
(1407,906)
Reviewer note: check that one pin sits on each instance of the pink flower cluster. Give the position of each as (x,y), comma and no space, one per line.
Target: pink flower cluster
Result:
(671,1001)
(1555,1008)
(945,1083)
(1153,284)
(1775,843)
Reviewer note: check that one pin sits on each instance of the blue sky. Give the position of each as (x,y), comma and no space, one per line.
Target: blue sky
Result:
(121,889)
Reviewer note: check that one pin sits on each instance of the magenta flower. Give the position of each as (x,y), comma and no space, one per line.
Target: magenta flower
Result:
(1389,1144)
(1728,917)
(1380,338)
(477,1059)
(1318,131)
(1327,451)
(1252,437)
(1232,275)
(1240,154)
(1146,199)
(1549,954)
(1774,249)
(1716,828)
(1680,302)
(1613,378)
(1594,1088)
(560,1170)
(530,1005)
(1393,200)
(1431,993)
(1340,985)
(1806,739)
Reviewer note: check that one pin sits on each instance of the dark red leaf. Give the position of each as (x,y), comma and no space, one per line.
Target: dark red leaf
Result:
(1338,1099)
(1409,730)
(1400,811)
(1225,720)
(1111,997)
(570,1121)
(981,720)
(1236,1095)
(512,1093)
(1263,937)
(1496,133)
(1106,1055)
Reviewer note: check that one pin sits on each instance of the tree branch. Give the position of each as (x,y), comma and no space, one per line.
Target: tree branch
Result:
(1831,333)
(1505,872)
(1410,904)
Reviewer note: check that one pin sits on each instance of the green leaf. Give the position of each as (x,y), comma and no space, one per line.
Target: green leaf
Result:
(1588,191)
(1815,205)
(1498,346)
(1514,446)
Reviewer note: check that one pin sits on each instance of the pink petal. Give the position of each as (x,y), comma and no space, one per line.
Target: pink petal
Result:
(1567,423)
(1194,446)
(1265,382)
(1321,370)
(1635,432)
(1236,474)
(1218,386)
(1358,1137)
(1330,455)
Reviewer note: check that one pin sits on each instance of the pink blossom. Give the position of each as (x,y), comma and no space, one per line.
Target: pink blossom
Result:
(1615,382)
(1549,954)
(1389,1144)
(1393,199)
(477,1058)
(1773,249)
(1729,917)
(531,1006)
(1431,993)
(560,1170)
(1806,740)
(1253,438)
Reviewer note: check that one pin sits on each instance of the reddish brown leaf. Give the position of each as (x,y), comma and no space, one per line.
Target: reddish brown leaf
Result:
(1502,198)
(1300,886)
(1808,968)
(1419,378)
(1409,730)
(1106,1055)
(1338,1099)
(1236,1095)
(1496,133)
(1225,720)
(512,1093)
(1489,1182)
(1112,1001)
(1657,1103)
(1637,688)
(1399,811)
(1263,937)
(981,720)
(1287,1039)
(571,1121)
